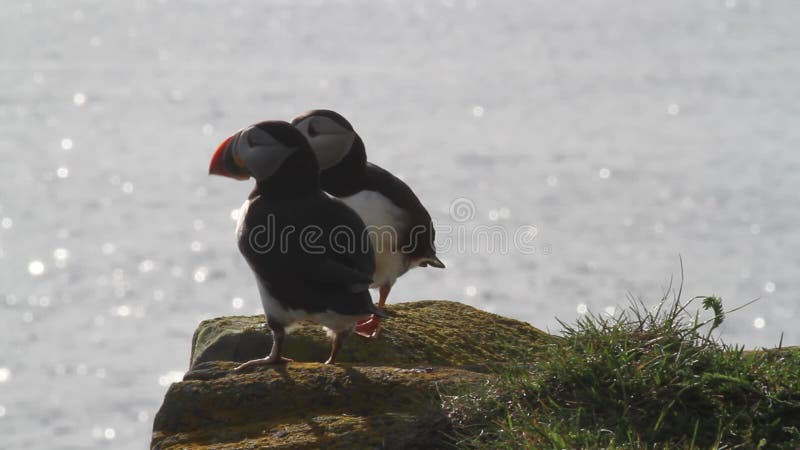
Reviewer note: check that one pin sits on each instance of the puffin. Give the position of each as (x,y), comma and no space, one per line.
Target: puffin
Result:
(291,235)
(399,227)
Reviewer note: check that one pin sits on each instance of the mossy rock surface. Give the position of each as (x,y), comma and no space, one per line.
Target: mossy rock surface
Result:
(425,332)
(306,405)
(383,393)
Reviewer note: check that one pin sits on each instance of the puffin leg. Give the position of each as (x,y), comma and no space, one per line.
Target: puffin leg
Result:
(337,344)
(274,357)
(384,290)
(371,327)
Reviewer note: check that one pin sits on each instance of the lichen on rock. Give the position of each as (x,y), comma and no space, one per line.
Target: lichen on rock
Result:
(423,332)
(305,405)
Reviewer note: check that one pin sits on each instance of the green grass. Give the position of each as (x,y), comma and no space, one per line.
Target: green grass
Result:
(646,378)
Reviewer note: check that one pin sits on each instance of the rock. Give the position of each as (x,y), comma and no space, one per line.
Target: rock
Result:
(306,405)
(425,332)
(391,399)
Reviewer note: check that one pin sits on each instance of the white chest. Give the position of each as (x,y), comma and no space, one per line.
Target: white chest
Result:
(240,219)
(386,224)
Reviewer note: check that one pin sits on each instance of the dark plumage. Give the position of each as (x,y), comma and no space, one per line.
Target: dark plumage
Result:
(285,234)
(380,199)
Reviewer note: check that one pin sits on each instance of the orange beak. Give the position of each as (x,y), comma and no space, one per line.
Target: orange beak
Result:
(218,164)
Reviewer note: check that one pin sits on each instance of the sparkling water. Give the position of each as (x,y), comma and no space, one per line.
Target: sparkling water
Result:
(617,136)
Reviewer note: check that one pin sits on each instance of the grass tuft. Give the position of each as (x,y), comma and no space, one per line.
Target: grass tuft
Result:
(645,378)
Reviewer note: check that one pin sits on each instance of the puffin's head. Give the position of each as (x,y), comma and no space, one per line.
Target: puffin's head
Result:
(260,150)
(330,135)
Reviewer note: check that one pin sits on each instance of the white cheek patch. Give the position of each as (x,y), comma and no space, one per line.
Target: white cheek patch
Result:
(329,140)
(302,126)
(258,137)
(267,160)
(261,153)
(331,149)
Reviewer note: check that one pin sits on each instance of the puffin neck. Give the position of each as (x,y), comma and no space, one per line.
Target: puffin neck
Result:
(348,176)
(285,187)
(297,177)
(341,181)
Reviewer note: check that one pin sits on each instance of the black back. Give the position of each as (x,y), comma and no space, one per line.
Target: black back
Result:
(348,178)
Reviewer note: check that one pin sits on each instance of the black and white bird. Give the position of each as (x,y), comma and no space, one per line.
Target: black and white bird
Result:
(399,226)
(286,233)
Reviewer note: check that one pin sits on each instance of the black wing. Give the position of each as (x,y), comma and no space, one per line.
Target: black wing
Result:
(294,241)
(421,232)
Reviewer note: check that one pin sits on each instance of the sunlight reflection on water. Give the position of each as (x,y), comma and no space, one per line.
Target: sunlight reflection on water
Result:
(626,134)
